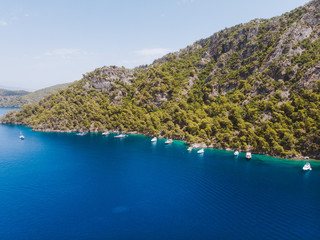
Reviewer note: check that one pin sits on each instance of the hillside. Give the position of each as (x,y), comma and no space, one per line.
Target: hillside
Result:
(255,85)
(10,98)
(8,93)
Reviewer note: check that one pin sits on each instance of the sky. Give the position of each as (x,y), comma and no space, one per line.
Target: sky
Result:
(43,43)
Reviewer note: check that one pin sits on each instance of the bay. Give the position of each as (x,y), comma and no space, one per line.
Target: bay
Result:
(63,186)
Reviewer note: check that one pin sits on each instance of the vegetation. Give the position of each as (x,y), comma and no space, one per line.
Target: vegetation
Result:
(254,85)
(7,93)
(19,98)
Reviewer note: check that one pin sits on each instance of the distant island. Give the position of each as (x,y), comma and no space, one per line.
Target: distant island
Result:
(253,86)
(18,98)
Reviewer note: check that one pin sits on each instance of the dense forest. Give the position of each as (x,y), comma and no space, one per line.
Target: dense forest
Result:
(255,85)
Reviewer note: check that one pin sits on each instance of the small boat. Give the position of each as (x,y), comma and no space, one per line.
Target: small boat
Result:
(189,149)
(307,167)
(201,150)
(236,153)
(154,139)
(105,133)
(120,136)
(81,133)
(248,155)
(169,141)
(21,136)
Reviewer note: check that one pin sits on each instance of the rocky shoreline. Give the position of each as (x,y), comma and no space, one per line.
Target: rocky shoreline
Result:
(194,145)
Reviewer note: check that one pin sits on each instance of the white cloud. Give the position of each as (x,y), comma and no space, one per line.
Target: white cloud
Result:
(153,52)
(3,23)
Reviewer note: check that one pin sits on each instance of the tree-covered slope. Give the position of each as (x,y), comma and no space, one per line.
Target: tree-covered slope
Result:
(10,98)
(255,85)
(9,93)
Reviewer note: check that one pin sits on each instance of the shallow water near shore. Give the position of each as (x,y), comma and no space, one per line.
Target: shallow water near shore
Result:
(63,186)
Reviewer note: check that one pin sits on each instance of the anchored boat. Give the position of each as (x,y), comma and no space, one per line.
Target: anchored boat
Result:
(307,167)
(81,133)
(21,136)
(201,150)
(105,133)
(120,136)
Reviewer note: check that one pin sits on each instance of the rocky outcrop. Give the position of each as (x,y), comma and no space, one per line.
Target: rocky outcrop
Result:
(110,79)
(106,78)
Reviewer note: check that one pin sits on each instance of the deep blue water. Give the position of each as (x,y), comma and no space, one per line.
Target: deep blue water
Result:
(63,186)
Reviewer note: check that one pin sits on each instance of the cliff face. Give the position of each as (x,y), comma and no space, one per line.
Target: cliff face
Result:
(110,79)
(106,78)
(255,85)
(282,50)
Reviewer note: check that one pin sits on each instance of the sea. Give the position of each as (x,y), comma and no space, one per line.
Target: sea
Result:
(64,186)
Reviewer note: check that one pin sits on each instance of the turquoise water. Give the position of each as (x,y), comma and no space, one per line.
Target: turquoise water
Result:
(63,186)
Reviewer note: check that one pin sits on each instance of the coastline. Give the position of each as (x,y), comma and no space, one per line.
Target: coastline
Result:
(194,145)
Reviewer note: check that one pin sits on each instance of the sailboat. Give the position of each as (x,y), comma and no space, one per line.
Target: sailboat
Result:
(201,150)
(154,139)
(169,141)
(21,136)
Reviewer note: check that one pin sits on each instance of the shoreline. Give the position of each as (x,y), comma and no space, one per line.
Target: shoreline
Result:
(193,145)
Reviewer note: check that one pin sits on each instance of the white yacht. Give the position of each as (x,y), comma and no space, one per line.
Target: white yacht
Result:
(307,167)
(81,133)
(154,139)
(236,153)
(248,155)
(201,150)
(168,141)
(120,136)
(105,133)
(189,149)
(21,136)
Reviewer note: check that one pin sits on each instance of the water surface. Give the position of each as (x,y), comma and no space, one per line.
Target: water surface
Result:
(63,186)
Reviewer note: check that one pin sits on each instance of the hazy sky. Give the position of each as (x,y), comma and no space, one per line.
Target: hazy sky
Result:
(49,42)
